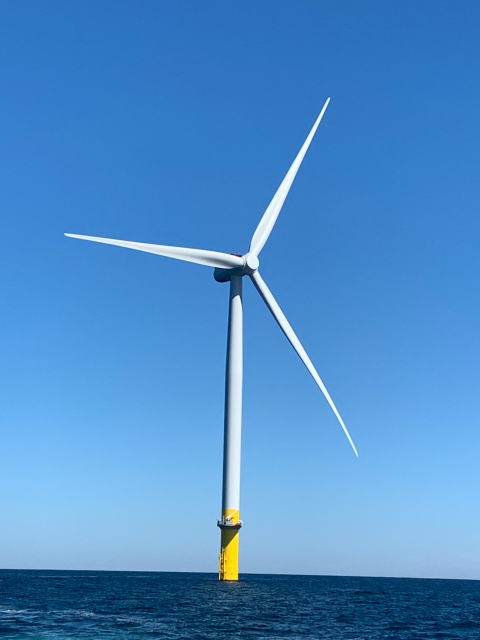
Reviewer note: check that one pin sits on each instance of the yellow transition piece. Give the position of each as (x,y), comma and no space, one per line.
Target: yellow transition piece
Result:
(229,547)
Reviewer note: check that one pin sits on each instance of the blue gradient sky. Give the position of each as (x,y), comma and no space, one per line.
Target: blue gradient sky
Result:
(174,122)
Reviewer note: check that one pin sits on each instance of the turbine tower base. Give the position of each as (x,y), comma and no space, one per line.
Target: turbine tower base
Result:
(230,526)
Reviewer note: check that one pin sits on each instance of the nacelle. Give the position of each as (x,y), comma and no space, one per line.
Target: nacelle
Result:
(250,265)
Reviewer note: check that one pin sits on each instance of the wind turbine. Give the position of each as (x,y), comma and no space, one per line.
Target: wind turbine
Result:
(231,267)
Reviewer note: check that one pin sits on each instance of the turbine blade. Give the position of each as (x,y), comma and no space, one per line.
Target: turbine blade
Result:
(277,313)
(199,256)
(270,216)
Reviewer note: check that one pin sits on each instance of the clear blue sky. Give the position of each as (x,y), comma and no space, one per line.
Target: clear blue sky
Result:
(174,122)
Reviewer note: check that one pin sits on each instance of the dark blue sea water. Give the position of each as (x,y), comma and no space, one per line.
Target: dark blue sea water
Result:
(191,606)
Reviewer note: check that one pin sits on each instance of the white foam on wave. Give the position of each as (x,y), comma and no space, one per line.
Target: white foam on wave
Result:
(13,611)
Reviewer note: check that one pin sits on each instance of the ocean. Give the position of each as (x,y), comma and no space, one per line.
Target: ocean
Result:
(190,606)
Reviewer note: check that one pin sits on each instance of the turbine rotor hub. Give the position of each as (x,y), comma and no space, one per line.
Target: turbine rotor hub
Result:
(250,265)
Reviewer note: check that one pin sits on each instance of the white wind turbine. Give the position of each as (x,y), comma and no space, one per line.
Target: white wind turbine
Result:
(233,267)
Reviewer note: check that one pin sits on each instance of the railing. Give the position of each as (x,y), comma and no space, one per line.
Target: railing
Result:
(227,523)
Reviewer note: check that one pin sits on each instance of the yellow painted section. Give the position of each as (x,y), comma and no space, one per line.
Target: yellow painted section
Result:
(229,548)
